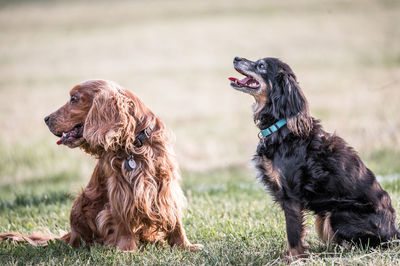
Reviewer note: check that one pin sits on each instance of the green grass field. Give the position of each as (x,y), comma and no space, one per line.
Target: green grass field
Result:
(176,56)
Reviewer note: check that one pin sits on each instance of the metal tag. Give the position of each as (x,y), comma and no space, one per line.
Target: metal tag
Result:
(130,164)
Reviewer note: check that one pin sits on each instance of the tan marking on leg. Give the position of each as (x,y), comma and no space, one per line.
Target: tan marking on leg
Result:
(324,228)
(272,173)
(304,233)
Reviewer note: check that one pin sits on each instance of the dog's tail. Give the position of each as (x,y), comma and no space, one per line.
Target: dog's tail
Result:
(38,239)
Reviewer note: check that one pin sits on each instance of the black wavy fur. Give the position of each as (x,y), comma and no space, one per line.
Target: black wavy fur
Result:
(310,169)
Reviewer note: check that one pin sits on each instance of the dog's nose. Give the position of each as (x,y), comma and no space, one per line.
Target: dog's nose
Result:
(237,59)
(47,119)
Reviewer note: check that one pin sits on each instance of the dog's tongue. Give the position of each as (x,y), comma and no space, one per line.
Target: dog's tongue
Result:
(67,136)
(62,139)
(240,81)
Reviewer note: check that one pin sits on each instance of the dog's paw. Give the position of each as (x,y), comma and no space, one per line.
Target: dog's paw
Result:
(293,254)
(306,245)
(290,258)
(195,247)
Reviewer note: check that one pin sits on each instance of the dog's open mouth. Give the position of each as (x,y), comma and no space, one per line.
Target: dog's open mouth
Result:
(70,137)
(248,81)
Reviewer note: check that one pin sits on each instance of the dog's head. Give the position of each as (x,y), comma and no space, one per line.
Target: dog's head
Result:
(100,115)
(274,86)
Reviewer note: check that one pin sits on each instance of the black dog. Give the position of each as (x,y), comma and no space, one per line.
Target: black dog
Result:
(306,168)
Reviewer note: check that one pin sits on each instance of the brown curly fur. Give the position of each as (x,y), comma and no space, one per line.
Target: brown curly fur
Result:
(118,207)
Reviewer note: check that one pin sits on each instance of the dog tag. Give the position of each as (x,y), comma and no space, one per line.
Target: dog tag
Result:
(130,164)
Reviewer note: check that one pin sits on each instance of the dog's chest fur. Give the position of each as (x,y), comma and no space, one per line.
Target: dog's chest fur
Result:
(280,165)
(267,173)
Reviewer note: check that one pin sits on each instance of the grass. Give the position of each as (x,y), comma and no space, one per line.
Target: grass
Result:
(228,212)
(346,55)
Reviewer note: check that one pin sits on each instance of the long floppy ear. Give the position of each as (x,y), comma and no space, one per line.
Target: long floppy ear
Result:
(289,102)
(108,120)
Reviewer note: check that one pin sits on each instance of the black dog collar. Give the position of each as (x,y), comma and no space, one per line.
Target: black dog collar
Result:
(140,139)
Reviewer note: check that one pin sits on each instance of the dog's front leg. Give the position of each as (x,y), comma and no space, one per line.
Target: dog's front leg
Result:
(294,228)
(178,238)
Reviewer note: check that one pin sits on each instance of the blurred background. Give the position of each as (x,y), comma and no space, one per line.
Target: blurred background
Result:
(177,57)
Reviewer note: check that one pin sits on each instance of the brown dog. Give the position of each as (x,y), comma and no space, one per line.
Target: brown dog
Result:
(134,192)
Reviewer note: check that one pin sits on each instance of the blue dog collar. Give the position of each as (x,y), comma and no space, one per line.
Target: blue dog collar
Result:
(268,131)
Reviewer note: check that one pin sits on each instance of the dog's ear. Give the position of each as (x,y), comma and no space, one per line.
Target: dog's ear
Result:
(115,118)
(289,102)
(103,124)
(109,120)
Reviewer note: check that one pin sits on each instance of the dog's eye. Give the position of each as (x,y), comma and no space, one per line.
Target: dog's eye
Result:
(261,66)
(74,99)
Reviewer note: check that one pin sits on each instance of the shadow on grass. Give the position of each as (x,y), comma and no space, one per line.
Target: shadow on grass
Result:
(26,200)
(56,252)
(50,179)
(59,253)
